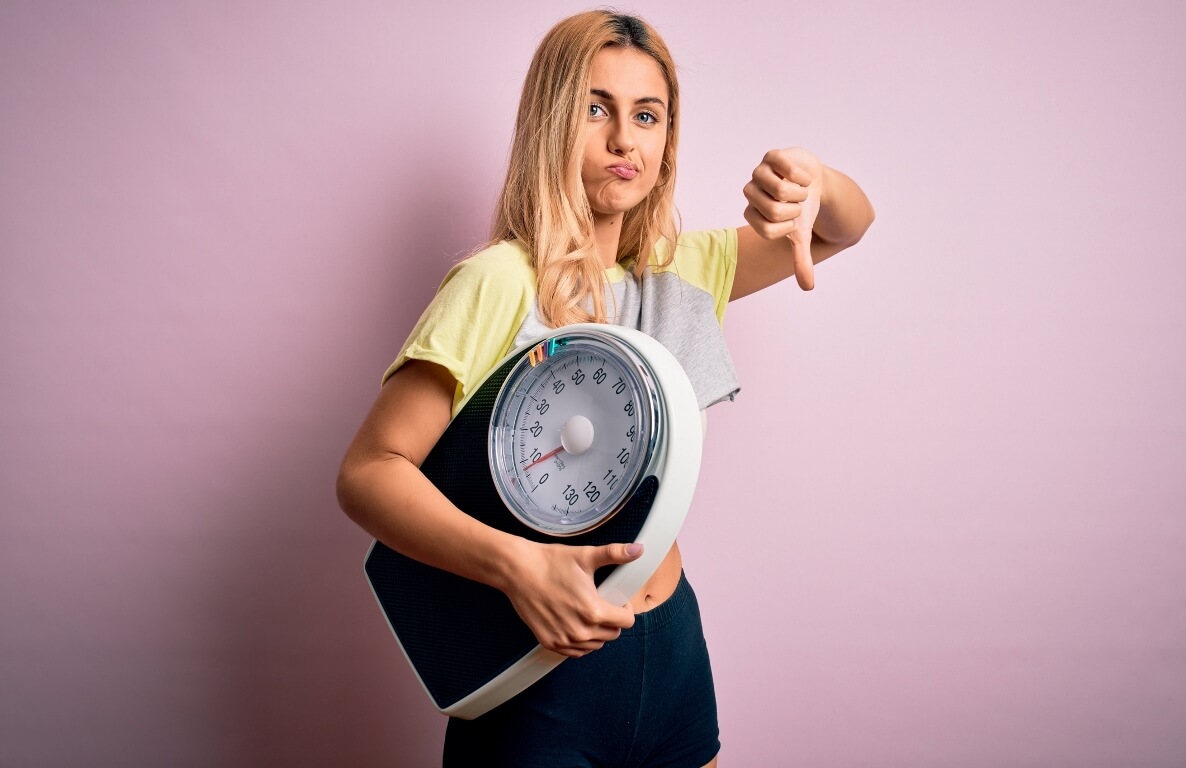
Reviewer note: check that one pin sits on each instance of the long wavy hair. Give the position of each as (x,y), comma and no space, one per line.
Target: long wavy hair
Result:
(543,202)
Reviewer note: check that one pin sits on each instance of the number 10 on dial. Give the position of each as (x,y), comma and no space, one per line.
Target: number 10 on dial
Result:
(573,431)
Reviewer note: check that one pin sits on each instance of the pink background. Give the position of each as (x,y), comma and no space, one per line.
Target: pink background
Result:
(942,525)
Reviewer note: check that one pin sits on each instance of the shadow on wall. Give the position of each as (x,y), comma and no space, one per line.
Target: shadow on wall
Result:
(310,673)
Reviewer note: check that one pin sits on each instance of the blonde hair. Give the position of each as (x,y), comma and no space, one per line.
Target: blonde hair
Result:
(543,202)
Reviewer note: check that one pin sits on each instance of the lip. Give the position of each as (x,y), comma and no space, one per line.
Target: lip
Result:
(624,170)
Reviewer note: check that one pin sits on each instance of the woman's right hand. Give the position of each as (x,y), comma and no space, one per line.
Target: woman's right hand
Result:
(553,592)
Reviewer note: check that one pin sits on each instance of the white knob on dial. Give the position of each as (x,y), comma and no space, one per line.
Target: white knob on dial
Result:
(577,435)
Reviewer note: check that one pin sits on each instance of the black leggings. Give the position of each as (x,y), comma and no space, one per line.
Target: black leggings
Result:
(645,699)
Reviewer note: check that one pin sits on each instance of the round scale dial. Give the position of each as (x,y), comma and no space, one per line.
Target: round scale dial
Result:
(573,431)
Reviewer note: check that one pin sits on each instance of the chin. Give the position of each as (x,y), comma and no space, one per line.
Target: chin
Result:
(616,207)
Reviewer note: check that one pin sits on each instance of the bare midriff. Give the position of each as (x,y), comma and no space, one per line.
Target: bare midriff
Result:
(662,583)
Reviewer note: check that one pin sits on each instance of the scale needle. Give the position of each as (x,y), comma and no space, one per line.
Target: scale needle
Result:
(545,457)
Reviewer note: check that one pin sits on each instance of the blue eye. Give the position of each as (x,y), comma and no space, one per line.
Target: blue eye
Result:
(650,118)
(593,110)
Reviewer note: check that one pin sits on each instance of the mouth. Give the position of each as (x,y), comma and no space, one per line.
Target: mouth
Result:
(624,170)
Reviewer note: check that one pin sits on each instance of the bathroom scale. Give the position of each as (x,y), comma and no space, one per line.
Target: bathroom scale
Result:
(588,435)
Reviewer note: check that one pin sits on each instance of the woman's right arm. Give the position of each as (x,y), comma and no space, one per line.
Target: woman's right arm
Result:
(381,487)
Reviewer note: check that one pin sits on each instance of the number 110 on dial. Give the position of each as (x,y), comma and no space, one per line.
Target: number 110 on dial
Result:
(573,431)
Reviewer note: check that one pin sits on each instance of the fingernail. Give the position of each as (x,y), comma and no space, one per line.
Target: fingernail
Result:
(634,550)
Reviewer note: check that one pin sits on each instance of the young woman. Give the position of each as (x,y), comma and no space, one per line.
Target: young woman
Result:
(585,231)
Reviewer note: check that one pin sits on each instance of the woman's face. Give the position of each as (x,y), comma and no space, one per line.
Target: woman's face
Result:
(626,129)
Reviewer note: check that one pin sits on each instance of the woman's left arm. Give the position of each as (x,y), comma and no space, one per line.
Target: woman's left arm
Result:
(800,212)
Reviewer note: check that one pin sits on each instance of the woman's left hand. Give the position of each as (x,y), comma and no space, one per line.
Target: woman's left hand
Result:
(784,200)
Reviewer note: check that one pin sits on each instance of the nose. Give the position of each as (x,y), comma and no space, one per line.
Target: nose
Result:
(620,139)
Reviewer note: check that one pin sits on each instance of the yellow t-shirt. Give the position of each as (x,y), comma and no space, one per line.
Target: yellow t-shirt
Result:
(486,307)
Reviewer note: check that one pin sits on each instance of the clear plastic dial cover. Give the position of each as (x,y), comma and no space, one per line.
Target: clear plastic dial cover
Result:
(573,431)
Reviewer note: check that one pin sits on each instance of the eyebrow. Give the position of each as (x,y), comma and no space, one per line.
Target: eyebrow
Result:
(644,100)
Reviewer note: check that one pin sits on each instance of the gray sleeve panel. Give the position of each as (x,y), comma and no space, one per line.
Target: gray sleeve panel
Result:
(683,318)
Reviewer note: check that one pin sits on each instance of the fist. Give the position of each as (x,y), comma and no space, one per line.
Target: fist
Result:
(783,199)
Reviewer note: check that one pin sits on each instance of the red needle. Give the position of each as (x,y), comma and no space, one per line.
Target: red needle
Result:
(545,457)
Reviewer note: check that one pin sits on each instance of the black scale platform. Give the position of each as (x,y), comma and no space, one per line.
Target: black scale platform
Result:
(460,634)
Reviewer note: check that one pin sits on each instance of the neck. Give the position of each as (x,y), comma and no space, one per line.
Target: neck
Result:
(607,232)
